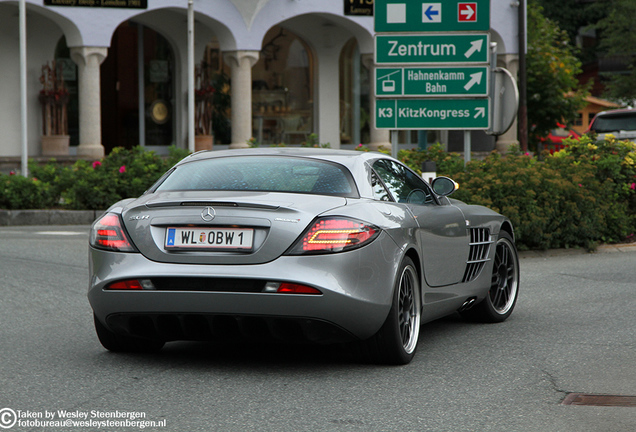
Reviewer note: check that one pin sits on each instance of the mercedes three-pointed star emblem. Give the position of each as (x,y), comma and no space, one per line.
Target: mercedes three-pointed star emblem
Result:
(208,214)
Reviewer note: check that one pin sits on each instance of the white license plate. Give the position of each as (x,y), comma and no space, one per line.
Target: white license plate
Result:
(209,238)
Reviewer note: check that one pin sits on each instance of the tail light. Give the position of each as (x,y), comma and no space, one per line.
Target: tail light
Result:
(108,234)
(132,284)
(329,235)
(125,285)
(290,288)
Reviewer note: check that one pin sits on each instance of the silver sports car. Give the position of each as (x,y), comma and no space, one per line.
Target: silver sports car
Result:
(300,245)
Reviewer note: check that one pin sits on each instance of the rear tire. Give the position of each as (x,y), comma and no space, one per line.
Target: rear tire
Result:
(504,287)
(396,341)
(119,343)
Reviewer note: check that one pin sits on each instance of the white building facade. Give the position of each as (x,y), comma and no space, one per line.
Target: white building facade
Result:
(274,71)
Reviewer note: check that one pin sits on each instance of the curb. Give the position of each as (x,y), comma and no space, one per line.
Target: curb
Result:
(613,248)
(48,217)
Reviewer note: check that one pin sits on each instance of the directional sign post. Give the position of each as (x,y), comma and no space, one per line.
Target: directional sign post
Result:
(433,81)
(438,49)
(433,69)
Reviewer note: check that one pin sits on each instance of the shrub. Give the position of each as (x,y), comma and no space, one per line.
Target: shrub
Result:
(578,197)
(121,174)
(18,192)
(448,164)
(87,185)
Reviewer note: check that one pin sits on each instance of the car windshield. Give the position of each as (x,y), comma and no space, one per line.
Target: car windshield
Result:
(612,123)
(262,173)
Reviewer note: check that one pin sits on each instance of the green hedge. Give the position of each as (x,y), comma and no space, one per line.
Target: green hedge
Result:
(86,185)
(579,197)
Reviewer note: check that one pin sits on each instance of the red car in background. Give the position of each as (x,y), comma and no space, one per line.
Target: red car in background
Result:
(554,140)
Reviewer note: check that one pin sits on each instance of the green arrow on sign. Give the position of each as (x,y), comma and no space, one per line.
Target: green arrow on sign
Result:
(433,114)
(437,49)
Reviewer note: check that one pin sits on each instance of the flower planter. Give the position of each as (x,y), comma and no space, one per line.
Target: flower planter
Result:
(203,142)
(55,145)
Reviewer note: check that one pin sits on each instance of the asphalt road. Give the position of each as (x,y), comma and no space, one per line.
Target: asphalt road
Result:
(573,331)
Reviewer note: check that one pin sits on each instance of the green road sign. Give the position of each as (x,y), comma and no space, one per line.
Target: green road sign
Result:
(432,114)
(424,48)
(431,16)
(432,81)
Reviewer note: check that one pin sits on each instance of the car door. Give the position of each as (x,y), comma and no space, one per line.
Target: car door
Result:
(442,234)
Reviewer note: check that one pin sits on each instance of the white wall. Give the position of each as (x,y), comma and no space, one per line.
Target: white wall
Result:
(42,37)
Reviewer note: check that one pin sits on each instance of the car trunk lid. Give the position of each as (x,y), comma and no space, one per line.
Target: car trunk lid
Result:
(199,225)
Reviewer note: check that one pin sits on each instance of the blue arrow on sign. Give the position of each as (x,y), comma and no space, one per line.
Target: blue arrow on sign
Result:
(431,12)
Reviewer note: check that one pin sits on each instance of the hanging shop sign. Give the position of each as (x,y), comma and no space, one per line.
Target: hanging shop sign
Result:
(122,4)
(358,7)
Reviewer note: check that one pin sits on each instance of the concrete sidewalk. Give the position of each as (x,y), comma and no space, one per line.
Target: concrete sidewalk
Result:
(48,217)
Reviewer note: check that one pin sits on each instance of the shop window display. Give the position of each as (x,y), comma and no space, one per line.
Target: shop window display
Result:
(282,90)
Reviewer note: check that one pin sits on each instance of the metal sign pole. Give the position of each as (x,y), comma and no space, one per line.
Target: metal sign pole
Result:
(191,76)
(23,88)
(394,143)
(467,146)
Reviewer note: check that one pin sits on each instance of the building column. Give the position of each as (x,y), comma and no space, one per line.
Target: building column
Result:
(241,63)
(379,137)
(88,60)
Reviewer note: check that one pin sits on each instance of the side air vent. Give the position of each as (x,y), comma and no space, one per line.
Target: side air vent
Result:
(480,242)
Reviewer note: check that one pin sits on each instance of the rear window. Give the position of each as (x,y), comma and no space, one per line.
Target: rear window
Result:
(615,123)
(262,173)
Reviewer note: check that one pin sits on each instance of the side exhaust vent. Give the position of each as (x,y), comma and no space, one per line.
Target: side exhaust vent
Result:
(480,241)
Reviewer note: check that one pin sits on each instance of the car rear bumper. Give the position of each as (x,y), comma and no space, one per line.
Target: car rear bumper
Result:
(356,296)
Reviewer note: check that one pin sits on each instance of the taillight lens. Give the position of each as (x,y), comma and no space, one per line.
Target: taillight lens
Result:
(328,235)
(290,288)
(125,285)
(108,234)
(131,284)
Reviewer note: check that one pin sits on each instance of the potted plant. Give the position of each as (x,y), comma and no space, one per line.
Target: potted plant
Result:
(204,108)
(54,98)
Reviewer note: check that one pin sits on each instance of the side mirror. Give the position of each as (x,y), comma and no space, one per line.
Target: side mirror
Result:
(443,186)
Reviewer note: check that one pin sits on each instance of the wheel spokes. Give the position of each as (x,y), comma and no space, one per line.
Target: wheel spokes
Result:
(408,310)
(405,308)
(503,283)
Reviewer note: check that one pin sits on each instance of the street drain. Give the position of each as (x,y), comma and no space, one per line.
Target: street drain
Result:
(599,400)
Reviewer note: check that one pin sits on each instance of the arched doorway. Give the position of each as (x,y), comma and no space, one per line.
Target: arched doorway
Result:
(282,89)
(355,118)
(138,84)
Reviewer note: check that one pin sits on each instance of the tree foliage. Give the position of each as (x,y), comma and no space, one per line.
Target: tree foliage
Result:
(574,15)
(618,42)
(554,94)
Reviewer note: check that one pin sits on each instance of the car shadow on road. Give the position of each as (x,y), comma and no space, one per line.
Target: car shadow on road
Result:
(254,353)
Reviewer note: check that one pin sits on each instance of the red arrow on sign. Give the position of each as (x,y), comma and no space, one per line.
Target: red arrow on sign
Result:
(467,12)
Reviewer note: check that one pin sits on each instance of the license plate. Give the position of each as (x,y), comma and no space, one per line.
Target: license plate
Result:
(209,238)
